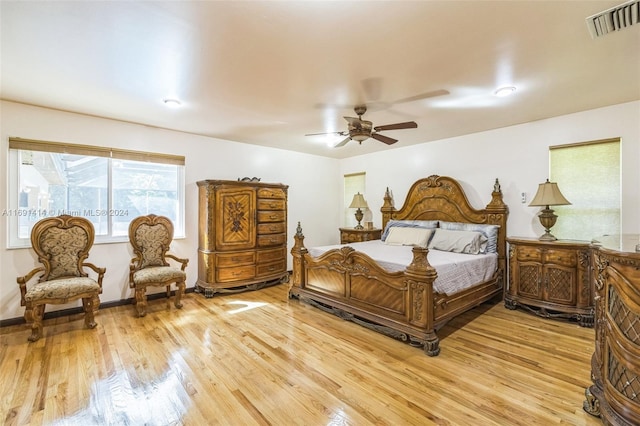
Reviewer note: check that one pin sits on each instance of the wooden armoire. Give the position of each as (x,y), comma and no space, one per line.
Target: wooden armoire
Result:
(242,241)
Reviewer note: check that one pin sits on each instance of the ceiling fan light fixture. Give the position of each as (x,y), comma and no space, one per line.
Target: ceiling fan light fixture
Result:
(504,91)
(172,103)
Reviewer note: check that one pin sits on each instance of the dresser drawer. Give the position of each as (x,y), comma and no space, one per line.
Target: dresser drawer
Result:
(270,268)
(271,240)
(272,204)
(235,259)
(266,256)
(348,237)
(271,216)
(567,258)
(236,273)
(528,254)
(271,228)
(271,193)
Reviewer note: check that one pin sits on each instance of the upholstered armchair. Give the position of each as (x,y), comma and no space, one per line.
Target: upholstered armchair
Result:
(150,237)
(62,244)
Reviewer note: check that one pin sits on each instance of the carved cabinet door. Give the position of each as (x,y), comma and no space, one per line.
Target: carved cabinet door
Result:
(235,221)
(560,276)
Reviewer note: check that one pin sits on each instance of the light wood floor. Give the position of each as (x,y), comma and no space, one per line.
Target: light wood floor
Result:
(259,358)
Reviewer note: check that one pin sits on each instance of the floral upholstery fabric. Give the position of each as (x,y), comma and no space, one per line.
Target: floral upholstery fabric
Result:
(158,274)
(64,246)
(153,241)
(64,288)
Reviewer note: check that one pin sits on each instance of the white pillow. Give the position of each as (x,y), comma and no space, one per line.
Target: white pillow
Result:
(469,242)
(408,236)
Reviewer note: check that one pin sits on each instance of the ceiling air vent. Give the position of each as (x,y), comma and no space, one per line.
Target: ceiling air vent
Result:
(614,19)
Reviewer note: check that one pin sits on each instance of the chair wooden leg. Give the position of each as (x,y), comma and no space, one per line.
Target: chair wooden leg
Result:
(179,292)
(33,315)
(87,306)
(141,301)
(96,303)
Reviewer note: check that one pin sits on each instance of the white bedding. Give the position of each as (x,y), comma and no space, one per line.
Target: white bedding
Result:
(456,271)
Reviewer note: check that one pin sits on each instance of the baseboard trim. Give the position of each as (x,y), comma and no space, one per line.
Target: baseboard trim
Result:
(78,310)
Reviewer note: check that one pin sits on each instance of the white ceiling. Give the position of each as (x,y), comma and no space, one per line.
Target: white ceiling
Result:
(267,73)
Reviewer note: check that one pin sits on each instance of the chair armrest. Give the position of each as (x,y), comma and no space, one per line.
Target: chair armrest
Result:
(178,259)
(99,271)
(22,282)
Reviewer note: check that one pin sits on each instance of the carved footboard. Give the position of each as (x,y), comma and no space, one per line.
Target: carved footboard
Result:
(352,285)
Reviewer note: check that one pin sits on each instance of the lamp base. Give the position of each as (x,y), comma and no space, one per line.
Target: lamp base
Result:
(547,220)
(547,237)
(359,217)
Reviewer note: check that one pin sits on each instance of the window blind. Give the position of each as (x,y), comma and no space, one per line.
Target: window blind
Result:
(96,151)
(589,176)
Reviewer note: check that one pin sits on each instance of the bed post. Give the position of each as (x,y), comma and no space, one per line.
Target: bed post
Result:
(387,208)
(298,251)
(420,276)
(497,215)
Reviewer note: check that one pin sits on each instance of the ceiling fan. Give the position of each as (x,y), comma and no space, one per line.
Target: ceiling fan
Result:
(360,130)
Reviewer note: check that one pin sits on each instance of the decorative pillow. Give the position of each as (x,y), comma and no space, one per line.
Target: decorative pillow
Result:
(428,224)
(399,236)
(469,242)
(489,231)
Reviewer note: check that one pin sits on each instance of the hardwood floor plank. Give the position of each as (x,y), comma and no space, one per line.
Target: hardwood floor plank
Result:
(258,358)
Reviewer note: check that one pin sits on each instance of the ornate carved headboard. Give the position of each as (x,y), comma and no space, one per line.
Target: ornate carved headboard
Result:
(442,198)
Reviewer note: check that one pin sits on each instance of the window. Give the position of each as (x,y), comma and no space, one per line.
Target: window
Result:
(110,187)
(353,183)
(588,174)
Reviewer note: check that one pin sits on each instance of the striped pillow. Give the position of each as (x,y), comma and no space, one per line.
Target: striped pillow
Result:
(490,231)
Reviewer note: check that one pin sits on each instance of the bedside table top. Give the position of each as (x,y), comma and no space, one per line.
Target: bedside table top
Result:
(536,241)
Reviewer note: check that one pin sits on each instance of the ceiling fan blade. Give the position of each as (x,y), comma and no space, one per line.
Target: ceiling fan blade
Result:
(343,142)
(384,139)
(397,126)
(330,106)
(423,96)
(341,133)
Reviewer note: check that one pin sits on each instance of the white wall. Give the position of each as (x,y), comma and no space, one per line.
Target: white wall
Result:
(313,184)
(517,155)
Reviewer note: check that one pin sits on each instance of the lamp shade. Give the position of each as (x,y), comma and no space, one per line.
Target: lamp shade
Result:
(549,195)
(358,202)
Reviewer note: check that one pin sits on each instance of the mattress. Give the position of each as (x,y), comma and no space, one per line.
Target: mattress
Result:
(456,271)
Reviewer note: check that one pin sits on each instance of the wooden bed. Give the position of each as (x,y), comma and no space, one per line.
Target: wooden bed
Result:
(402,305)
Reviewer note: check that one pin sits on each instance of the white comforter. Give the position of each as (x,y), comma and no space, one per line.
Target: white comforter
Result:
(456,271)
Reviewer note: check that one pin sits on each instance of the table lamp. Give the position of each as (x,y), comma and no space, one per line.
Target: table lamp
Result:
(548,195)
(359,203)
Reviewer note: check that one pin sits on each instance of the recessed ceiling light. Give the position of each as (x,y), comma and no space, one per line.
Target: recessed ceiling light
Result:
(504,91)
(172,103)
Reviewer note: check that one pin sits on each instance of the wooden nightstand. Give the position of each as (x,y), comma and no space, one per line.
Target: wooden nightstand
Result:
(351,235)
(551,279)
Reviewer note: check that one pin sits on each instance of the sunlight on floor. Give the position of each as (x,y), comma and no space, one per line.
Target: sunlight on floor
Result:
(122,400)
(247,306)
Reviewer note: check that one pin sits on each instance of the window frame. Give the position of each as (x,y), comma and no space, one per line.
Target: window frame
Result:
(112,155)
